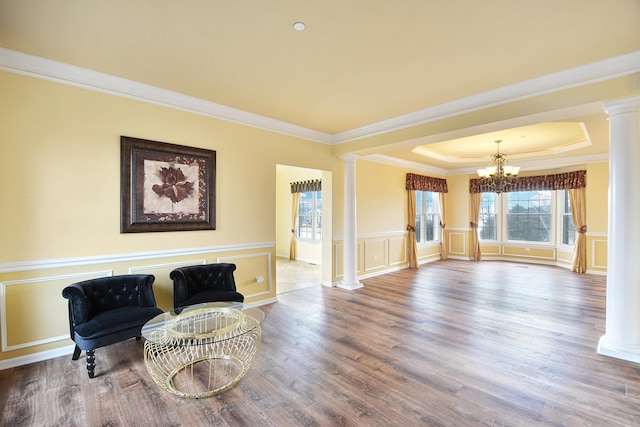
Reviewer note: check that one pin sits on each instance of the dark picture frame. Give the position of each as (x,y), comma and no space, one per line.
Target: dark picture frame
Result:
(166,187)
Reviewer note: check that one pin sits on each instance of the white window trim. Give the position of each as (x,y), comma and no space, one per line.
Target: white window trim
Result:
(560,203)
(313,218)
(552,225)
(434,242)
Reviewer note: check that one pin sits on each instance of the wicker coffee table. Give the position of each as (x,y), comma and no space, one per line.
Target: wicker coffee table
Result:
(202,350)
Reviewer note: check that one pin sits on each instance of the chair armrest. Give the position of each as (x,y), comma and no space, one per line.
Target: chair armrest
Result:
(180,287)
(79,304)
(147,298)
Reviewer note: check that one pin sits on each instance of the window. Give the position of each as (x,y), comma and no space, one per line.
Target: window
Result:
(529,216)
(427,216)
(488,221)
(310,215)
(567,228)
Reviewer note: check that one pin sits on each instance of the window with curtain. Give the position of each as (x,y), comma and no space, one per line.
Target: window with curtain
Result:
(310,216)
(542,209)
(567,229)
(427,216)
(488,220)
(529,216)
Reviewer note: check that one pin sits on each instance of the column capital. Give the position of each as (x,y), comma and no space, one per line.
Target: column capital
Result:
(349,158)
(623,105)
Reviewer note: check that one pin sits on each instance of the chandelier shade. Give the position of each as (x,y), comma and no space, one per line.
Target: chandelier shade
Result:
(498,176)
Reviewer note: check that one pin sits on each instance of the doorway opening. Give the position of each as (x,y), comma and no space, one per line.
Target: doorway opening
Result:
(312,225)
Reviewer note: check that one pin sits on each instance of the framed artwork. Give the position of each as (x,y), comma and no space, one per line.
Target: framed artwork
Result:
(166,187)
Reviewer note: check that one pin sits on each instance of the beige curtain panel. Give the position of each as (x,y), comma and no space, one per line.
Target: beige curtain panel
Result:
(579,216)
(444,244)
(411,228)
(294,222)
(475,216)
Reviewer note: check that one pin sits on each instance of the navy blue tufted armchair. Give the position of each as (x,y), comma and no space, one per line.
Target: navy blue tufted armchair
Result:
(108,310)
(204,283)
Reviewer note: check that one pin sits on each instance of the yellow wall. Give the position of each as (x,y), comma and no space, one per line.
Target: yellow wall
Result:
(60,216)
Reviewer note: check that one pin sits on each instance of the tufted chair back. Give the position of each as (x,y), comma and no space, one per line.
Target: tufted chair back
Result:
(94,296)
(204,283)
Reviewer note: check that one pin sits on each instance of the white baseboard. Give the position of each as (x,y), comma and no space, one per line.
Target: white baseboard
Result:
(36,357)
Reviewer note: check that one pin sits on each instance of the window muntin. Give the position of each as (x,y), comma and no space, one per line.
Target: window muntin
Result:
(310,216)
(529,216)
(427,216)
(488,218)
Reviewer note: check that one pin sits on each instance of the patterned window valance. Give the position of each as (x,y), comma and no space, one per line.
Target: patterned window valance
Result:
(426,183)
(560,181)
(304,186)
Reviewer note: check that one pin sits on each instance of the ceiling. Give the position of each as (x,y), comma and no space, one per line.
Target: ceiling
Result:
(357,64)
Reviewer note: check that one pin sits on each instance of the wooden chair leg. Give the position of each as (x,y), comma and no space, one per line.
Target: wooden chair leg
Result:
(76,353)
(91,363)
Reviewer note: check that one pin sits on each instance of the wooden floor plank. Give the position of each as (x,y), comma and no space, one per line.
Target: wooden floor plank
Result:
(453,343)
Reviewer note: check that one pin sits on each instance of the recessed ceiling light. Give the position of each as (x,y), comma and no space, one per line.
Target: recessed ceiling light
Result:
(299,26)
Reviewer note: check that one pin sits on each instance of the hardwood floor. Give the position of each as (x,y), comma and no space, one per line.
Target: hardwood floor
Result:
(454,343)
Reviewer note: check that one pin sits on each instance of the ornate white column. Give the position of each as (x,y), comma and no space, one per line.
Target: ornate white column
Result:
(622,334)
(350,249)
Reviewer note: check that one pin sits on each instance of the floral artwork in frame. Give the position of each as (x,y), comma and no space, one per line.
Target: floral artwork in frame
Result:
(166,187)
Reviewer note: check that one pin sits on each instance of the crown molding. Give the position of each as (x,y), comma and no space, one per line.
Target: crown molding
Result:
(407,164)
(46,69)
(529,166)
(606,69)
(34,66)
(546,164)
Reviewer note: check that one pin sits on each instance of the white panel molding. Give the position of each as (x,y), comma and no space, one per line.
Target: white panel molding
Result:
(107,259)
(590,234)
(256,255)
(404,261)
(464,242)
(553,250)
(593,252)
(141,268)
(385,255)
(3,304)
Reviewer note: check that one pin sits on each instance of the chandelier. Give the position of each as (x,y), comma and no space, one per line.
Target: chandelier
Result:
(498,176)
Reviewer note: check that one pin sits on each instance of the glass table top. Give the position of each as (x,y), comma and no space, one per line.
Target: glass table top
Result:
(202,323)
